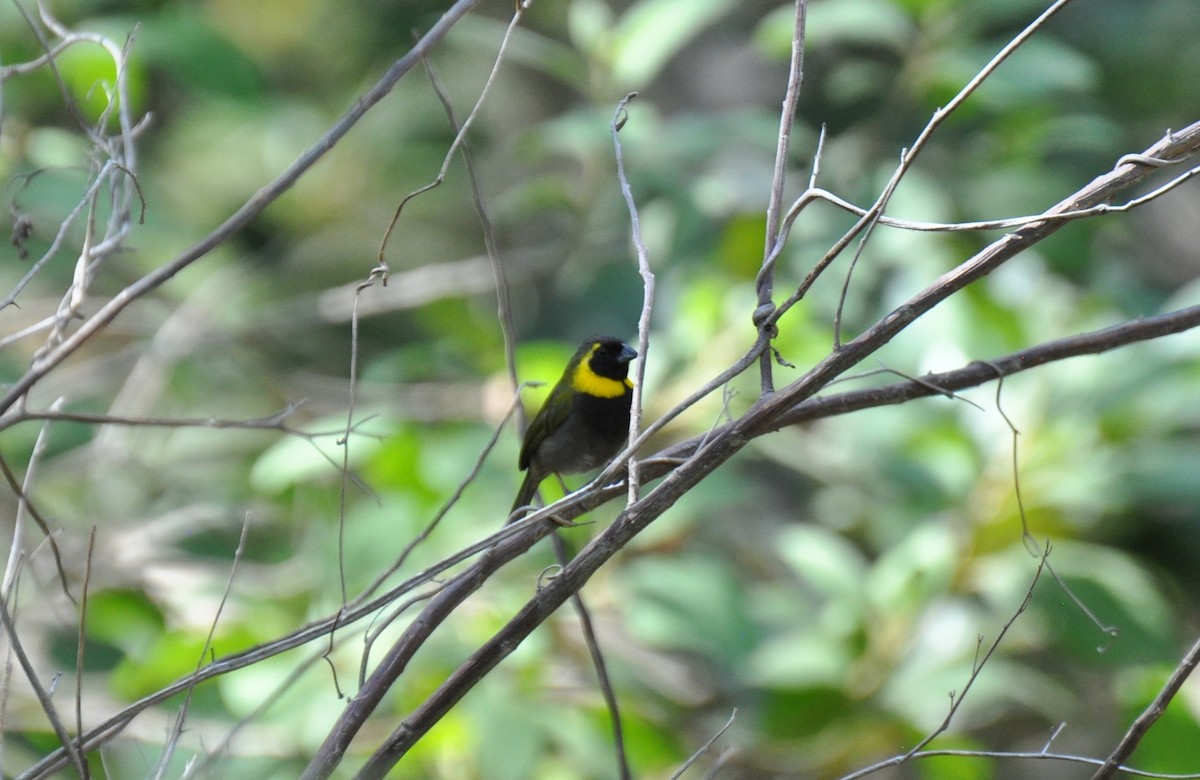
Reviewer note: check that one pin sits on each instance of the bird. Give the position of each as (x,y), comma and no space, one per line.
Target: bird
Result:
(585,419)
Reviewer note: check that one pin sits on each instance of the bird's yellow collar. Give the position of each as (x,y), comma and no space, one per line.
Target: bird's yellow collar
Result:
(585,380)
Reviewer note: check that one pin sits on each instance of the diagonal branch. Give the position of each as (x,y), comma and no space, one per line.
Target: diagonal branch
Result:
(1150,715)
(440,607)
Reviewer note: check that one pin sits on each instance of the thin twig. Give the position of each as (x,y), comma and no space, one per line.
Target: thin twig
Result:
(273,422)
(26,507)
(461,135)
(1011,223)
(448,504)
(956,700)
(707,746)
(377,627)
(765,283)
(376,274)
(598,663)
(871,220)
(504,315)
(1031,543)
(74,749)
(82,641)
(1044,756)
(643,262)
(265,702)
(177,730)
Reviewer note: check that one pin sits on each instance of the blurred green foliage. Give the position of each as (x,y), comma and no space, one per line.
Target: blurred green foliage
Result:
(832,585)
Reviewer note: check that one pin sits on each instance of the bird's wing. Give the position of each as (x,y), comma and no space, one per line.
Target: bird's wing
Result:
(551,416)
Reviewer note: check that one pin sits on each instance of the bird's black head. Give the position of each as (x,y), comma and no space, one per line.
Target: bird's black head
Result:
(608,357)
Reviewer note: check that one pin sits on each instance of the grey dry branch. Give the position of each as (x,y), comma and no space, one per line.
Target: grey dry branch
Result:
(460,135)
(1150,715)
(447,505)
(440,607)
(26,508)
(765,283)
(81,633)
(980,372)
(112,173)
(707,746)
(274,422)
(587,629)
(1045,756)
(168,750)
(647,276)
(504,315)
(74,751)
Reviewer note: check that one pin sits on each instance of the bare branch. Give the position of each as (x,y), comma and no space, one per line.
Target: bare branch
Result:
(1150,715)
(73,749)
(315,630)
(82,642)
(378,273)
(439,608)
(273,422)
(1045,756)
(597,655)
(981,372)
(177,729)
(461,135)
(449,504)
(765,282)
(705,747)
(643,262)
(499,278)
(26,508)
(956,700)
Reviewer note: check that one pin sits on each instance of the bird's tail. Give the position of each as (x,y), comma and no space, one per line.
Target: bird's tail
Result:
(525,495)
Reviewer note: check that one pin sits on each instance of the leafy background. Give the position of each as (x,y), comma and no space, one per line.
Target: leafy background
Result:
(831,584)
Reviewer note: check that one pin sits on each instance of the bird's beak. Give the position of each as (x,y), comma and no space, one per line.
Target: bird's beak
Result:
(628,353)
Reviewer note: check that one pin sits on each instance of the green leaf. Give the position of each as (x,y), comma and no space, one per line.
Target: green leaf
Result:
(651,32)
